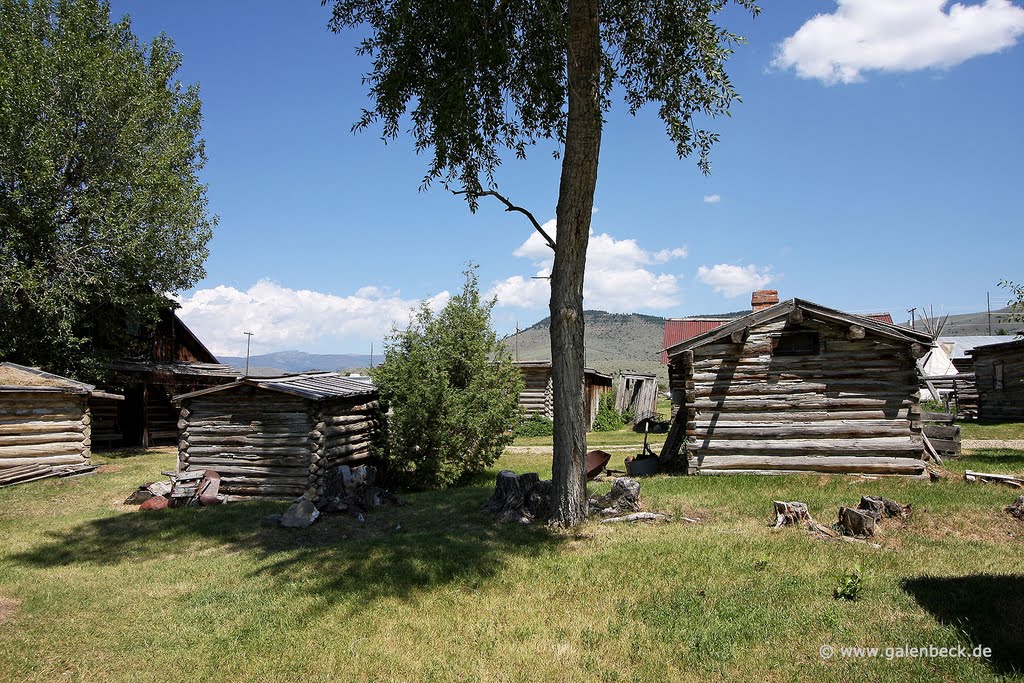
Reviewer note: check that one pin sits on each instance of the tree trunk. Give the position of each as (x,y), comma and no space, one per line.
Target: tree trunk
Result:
(575,205)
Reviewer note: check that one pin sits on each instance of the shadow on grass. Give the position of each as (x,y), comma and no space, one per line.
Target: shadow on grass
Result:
(121,453)
(441,537)
(987,608)
(994,456)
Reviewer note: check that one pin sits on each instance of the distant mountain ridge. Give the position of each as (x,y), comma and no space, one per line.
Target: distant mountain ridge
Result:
(280,362)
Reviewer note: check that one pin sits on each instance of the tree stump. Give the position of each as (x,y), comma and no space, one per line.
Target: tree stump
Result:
(857,523)
(519,498)
(790,514)
(881,508)
(1016,508)
(352,489)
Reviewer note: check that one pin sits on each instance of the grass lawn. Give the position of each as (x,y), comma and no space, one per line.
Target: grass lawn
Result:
(623,437)
(92,590)
(999,430)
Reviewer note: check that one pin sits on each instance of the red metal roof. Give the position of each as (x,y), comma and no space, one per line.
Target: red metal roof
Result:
(679,330)
(880,317)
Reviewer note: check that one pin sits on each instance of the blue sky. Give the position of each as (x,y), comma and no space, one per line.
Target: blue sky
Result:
(875,163)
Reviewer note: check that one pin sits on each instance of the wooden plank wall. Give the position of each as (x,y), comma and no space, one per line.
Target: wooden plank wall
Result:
(1004,403)
(44,428)
(853,407)
(639,395)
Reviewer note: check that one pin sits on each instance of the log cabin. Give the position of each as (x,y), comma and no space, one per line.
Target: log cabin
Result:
(999,379)
(44,418)
(277,437)
(797,387)
(173,361)
(537,397)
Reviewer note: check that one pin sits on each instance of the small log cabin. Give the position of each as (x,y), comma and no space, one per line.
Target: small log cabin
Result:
(797,387)
(44,418)
(277,437)
(175,361)
(999,378)
(537,398)
(637,393)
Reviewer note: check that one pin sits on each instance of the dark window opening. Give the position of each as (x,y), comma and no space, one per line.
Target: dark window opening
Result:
(795,344)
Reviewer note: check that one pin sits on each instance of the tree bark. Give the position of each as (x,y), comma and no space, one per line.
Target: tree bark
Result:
(575,205)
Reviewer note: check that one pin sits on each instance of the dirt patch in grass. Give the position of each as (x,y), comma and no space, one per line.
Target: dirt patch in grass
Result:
(109,469)
(8,607)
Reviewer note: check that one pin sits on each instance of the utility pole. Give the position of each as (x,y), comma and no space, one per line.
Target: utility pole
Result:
(988,305)
(371,355)
(248,343)
(911,311)
(517,341)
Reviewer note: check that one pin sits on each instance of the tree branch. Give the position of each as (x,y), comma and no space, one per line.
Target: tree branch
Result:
(509,206)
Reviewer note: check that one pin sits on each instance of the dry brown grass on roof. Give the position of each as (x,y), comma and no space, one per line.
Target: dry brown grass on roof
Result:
(20,378)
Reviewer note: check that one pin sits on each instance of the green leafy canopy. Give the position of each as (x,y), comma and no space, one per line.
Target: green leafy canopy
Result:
(451,390)
(477,77)
(101,209)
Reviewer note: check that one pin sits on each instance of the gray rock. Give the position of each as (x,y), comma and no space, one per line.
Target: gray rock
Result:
(300,515)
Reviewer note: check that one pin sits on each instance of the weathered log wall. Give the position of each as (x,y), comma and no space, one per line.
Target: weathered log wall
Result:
(999,378)
(267,443)
(537,396)
(44,428)
(851,406)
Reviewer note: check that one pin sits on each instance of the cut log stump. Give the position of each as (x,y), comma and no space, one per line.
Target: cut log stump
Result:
(519,498)
(792,513)
(881,508)
(857,523)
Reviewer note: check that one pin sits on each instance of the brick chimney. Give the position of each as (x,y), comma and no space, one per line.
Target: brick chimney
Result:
(763,298)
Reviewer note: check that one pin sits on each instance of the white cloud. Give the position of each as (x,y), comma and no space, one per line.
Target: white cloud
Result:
(281,318)
(897,35)
(732,281)
(618,278)
(712,198)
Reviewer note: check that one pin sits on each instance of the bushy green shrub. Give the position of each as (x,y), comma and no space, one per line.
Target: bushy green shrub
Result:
(535,425)
(451,408)
(608,419)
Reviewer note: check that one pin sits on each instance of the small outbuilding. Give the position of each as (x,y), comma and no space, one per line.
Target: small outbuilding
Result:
(172,361)
(999,378)
(44,418)
(797,387)
(277,437)
(537,397)
(637,393)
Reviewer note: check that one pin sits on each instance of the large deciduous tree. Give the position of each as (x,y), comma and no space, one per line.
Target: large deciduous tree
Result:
(101,210)
(477,78)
